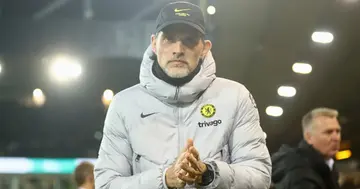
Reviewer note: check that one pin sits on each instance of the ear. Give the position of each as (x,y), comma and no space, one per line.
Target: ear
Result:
(153,43)
(308,137)
(207,48)
(90,178)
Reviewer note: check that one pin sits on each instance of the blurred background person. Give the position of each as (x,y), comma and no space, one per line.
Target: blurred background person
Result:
(311,164)
(348,183)
(84,176)
(349,180)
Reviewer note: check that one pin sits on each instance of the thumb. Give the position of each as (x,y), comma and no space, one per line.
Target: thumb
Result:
(189,143)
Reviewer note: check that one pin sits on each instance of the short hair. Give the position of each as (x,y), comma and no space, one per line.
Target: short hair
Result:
(82,171)
(307,120)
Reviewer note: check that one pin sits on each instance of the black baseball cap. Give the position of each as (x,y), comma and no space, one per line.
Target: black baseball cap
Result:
(181,12)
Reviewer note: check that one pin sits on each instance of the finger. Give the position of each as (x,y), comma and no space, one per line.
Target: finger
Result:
(185,166)
(193,162)
(192,176)
(182,171)
(185,178)
(195,153)
(190,165)
(180,183)
(181,157)
(189,143)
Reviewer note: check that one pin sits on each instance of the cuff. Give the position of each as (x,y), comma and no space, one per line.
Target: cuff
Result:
(163,177)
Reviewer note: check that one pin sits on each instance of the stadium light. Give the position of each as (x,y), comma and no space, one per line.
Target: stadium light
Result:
(107,97)
(25,165)
(341,155)
(274,111)
(322,37)
(350,1)
(211,10)
(302,68)
(37,93)
(38,97)
(0,67)
(286,91)
(65,68)
(98,135)
(108,94)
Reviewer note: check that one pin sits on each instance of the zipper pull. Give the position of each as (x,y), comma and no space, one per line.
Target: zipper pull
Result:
(137,158)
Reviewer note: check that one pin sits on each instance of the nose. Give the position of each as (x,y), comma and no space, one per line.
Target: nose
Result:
(336,136)
(178,48)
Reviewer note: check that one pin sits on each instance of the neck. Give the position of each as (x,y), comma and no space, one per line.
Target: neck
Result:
(87,186)
(327,158)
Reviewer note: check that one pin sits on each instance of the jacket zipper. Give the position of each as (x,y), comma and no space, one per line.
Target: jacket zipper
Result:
(177,93)
(137,159)
(177,114)
(137,166)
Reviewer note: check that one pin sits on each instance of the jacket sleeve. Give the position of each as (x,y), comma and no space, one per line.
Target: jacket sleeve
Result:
(250,166)
(113,168)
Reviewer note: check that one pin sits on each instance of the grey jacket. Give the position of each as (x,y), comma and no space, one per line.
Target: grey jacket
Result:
(147,126)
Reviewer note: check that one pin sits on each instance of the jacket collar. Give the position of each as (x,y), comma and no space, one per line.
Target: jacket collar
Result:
(318,163)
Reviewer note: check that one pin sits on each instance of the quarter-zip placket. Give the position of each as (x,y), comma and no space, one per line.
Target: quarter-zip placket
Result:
(177,114)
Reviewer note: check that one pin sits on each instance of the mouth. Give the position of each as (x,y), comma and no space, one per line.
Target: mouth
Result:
(335,147)
(178,61)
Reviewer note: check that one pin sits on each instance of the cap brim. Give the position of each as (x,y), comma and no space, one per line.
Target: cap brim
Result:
(181,22)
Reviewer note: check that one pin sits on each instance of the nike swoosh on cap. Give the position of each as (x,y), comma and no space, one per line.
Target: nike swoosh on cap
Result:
(181,10)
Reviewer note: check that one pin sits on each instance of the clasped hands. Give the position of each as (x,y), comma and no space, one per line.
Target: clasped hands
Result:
(187,169)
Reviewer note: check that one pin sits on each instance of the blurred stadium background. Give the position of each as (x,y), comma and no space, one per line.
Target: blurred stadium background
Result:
(292,55)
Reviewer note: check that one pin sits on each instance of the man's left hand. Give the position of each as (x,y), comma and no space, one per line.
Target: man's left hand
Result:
(194,159)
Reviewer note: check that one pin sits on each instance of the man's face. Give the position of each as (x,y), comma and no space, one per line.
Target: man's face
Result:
(325,135)
(179,48)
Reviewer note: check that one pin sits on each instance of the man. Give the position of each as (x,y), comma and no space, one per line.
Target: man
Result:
(84,176)
(311,164)
(182,127)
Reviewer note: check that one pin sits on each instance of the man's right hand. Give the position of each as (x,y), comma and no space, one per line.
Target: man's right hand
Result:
(177,175)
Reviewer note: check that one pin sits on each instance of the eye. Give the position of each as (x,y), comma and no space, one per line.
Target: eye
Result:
(171,39)
(168,38)
(190,41)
